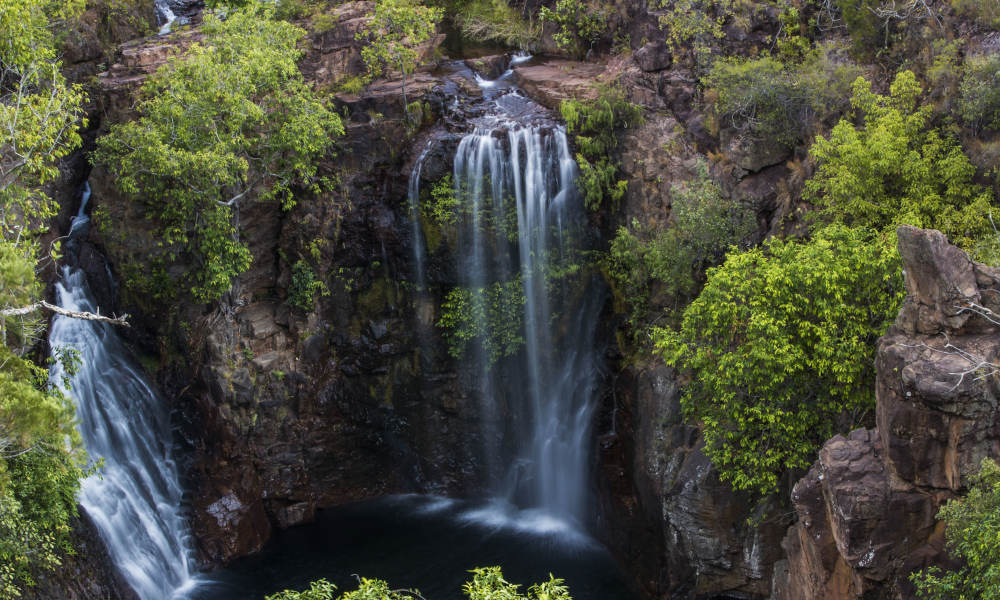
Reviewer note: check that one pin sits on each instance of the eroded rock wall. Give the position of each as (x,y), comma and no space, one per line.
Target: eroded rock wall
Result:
(866,509)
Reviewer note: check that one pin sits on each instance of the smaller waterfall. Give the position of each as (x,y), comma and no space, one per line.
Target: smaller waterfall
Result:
(166,16)
(135,500)
(413,195)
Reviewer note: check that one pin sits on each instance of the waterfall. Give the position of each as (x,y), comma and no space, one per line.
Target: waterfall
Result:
(521,219)
(135,499)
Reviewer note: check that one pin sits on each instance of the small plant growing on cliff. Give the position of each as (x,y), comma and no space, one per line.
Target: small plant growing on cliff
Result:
(972,530)
(594,125)
(303,286)
(780,347)
(580,25)
(392,34)
(231,119)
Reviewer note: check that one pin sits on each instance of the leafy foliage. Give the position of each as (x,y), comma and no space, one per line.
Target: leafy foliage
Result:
(490,318)
(494,21)
(303,286)
(594,125)
(896,169)
(979,92)
(392,34)
(694,25)
(40,450)
(487,583)
(766,99)
(231,119)
(973,527)
(40,455)
(580,25)
(443,206)
(705,224)
(39,110)
(985,12)
(780,346)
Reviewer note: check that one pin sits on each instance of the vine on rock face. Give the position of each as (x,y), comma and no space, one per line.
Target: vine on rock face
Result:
(230,120)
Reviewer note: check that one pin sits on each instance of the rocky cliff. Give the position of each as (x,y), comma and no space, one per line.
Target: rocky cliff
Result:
(866,508)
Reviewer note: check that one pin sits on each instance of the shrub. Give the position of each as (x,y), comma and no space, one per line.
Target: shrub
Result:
(695,25)
(972,530)
(580,25)
(985,12)
(780,347)
(895,169)
(594,125)
(705,224)
(979,92)
(303,286)
(230,118)
(765,99)
(495,21)
(487,584)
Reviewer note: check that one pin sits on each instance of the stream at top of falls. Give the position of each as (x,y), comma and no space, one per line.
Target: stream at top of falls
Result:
(522,226)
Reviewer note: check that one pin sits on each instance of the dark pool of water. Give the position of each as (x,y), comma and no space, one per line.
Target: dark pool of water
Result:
(422,542)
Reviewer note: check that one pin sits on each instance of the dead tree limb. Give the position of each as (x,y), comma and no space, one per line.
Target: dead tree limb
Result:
(76,314)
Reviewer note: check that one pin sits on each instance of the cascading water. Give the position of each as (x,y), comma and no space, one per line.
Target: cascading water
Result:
(521,220)
(135,500)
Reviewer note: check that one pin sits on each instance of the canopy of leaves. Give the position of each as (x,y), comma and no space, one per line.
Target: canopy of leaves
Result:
(39,111)
(40,455)
(767,99)
(973,528)
(895,169)
(40,450)
(780,346)
(979,92)
(230,119)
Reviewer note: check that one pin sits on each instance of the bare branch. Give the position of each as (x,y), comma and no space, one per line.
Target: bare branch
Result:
(86,316)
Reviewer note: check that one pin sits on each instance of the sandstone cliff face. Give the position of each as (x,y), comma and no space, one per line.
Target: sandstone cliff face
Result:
(866,509)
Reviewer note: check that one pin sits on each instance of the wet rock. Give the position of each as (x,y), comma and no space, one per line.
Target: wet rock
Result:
(553,80)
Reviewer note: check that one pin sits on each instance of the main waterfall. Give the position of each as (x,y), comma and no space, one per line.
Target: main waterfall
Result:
(521,262)
(135,499)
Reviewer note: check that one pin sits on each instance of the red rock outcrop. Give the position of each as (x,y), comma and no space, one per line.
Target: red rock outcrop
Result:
(866,510)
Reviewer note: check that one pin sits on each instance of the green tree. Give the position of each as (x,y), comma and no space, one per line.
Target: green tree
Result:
(489,317)
(580,25)
(231,119)
(895,169)
(392,34)
(972,530)
(40,455)
(780,347)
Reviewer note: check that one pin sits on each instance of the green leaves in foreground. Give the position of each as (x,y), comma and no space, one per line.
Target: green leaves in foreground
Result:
(973,531)
(487,584)
(230,120)
(780,347)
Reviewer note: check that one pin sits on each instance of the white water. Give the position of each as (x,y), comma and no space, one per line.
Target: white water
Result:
(166,14)
(514,161)
(135,499)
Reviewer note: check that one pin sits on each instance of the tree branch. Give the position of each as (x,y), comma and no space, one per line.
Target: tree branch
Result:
(86,316)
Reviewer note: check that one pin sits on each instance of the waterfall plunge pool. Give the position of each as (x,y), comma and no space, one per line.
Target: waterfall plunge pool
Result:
(427,543)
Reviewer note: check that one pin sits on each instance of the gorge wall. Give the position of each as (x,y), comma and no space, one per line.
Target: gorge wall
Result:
(283,411)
